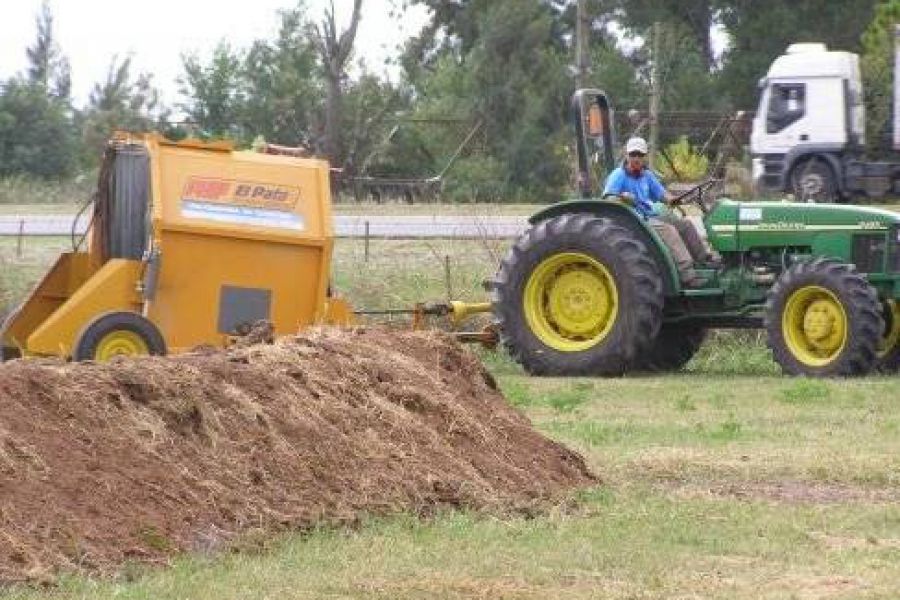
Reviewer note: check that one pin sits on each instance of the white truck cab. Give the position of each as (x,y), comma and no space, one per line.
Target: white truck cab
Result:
(809,129)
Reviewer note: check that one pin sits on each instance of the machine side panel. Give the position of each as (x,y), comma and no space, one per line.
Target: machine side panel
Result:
(113,288)
(194,267)
(59,283)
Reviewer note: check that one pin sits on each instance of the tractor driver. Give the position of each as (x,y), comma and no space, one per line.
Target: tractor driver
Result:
(634,183)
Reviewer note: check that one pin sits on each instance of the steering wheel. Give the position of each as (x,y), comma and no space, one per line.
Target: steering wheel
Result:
(694,196)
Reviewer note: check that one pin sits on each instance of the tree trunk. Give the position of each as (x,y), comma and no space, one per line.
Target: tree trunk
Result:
(335,50)
(333,105)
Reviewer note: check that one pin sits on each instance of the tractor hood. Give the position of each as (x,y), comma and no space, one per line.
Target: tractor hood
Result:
(798,216)
(864,236)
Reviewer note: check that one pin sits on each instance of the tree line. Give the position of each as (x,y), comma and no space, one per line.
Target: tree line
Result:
(507,65)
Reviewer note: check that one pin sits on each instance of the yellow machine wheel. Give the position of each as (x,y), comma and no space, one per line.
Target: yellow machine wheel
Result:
(120,343)
(823,319)
(889,347)
(571,302)
(118,334)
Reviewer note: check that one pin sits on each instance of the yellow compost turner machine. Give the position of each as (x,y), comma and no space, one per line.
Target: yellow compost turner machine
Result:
(189,243)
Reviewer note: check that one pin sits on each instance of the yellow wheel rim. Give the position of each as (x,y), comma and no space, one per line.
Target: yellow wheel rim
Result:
(571,302)
(892,328)
(815,325)
(120,343)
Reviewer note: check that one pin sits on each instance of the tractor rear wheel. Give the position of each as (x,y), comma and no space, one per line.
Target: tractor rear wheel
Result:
(118,334)
(823,319)
(577,295)
(888,354)
(675,346)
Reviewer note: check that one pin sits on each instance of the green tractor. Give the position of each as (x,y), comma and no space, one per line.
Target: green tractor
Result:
(590,289)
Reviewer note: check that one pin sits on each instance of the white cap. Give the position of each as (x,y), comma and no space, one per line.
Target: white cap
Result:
(636,144)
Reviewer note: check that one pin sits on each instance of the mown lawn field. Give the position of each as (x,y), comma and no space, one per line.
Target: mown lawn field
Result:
(726,481)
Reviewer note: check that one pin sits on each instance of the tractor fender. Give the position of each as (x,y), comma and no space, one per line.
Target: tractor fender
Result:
(827,152)
(625,217)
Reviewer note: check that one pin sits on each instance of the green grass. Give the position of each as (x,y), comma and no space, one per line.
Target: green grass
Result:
(37,196)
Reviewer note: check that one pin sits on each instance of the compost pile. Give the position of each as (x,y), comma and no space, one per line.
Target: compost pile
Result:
(140,459)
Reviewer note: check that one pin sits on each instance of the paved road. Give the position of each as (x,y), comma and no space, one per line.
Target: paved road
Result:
(455,226)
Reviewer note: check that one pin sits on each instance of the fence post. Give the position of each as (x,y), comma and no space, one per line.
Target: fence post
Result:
(21,238)
(367,242)
(447,277)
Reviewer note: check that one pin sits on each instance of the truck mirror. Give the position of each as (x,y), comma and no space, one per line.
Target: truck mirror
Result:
(762,83)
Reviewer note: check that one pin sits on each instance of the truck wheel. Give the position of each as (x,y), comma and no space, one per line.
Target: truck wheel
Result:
(675,346)
(823,319)
(577,295)
(814,180)
(9,352)
(118,334)
(888,352)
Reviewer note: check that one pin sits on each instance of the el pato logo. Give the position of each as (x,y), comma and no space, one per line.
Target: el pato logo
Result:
(241,193)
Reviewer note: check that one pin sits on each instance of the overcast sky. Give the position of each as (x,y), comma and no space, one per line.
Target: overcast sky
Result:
(157,32)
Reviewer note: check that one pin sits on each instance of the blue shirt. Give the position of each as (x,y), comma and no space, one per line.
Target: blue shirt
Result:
(645,188)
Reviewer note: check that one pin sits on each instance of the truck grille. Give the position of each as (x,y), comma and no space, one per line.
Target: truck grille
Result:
(868,252)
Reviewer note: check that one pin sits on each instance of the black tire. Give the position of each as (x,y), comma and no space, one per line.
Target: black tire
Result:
(632,270)
(9,352)
(814,180)
(845,290)
(675,346)
(888,360)
(91,337)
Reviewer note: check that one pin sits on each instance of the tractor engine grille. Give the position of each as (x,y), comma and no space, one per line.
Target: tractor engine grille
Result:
(868,252)
(894,257)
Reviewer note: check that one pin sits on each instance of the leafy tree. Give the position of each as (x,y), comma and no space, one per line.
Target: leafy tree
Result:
(215,93)
(48,67)
(877,64)
(119,102)
(760,30)
(371,106)
(505,62)
(36,134)
(695,18)
(284,91)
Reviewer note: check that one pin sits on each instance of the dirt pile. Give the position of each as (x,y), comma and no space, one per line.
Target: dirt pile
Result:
(141,459)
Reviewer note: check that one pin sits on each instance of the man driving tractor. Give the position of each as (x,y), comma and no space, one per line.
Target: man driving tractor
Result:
(634,183)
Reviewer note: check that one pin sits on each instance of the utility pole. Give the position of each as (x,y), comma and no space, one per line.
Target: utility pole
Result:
(582,45)
(655,90)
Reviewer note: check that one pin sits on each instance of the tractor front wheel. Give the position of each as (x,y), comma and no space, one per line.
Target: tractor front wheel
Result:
(118,334)
(577,295)
(888,360)
(823,319)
